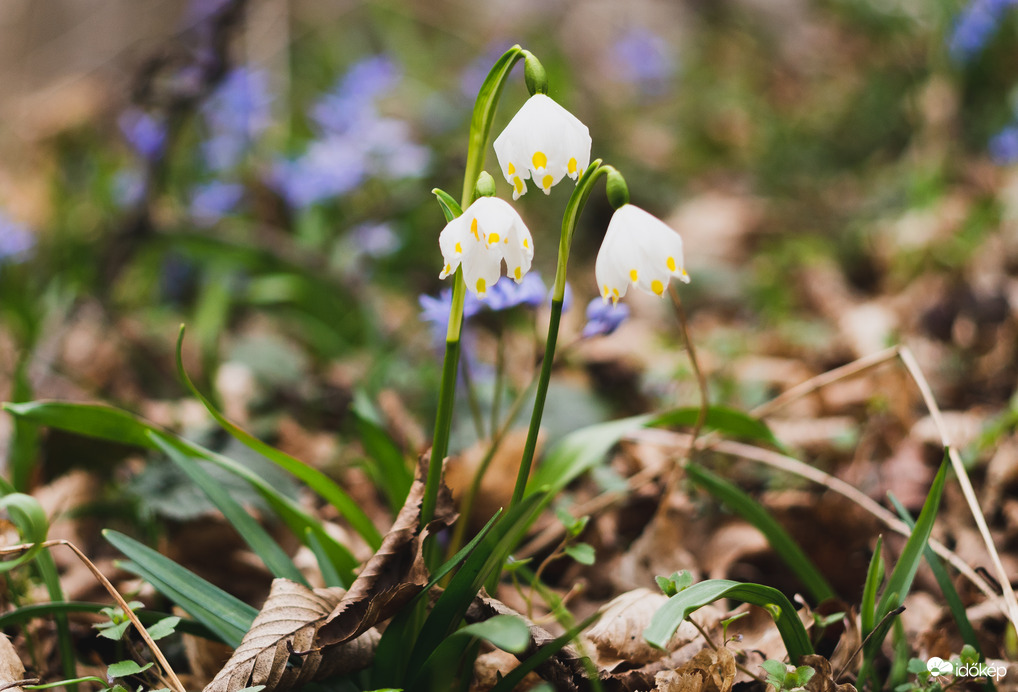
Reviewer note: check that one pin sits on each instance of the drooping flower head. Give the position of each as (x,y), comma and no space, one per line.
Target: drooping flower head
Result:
(488,232)
(638,249)
(543,142)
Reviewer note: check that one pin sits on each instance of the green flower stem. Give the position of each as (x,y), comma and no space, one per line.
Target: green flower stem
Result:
(576,203)
(480,130)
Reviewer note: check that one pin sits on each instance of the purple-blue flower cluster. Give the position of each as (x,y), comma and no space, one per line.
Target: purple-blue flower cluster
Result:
(144,133)
(504,295)
(974,26)
(16,241)
(604,318)
(354,141)
(236,114)
(644,59)
(1004,145)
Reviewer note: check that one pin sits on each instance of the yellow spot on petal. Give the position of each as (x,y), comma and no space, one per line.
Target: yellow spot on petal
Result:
(518,184)
(459,249)
(518,273)
(473,229)
(671,264)
(492,238)
(572,166)
(540,160)
(615,293)
(511,169)
(632,275)
(547,181)
(526,243)
(506,240)
(480,287)
(657,287)
(447,270)
(605,291)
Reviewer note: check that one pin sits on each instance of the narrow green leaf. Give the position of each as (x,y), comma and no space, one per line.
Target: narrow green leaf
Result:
(874,577)
(753,512)
(726,420)
(900,581)
(315,479)
(488,557)
(516,675)
(951,597)
(669,616)
(108,423)
(29,518)
(450,207)
(507,632)
(579,452)
(390,469)
(277,561)
(227,616)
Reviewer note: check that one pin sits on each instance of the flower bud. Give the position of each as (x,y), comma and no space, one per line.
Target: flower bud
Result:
(485,186)
(616,189)
(534,74)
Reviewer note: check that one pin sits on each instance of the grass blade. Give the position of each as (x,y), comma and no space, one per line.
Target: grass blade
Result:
(225,615)
(753,512)
(277,561)
(951,597)
(389,469)
(668,618)
(721,418)
(108,423)
(315,479)
(874,577)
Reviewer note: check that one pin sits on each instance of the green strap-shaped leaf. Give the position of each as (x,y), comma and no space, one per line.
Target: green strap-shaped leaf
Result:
(315,479)
(225,615)
(108,423)
(723,419)
(753,512)
(278,562)
(29,518)
(669,616)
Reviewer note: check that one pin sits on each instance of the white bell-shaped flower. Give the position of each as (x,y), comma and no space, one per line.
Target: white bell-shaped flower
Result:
(488,232)
(543,142)
(638,249)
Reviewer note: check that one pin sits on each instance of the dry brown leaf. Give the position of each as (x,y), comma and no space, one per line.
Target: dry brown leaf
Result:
(823,679)
(12,670)
(394,574)
(672,681)
(715,669)
(618,635)
(288,622)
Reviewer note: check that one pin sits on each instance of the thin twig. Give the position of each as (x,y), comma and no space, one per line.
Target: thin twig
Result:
(963,480)
(820,381)
(101,578)
(897,611)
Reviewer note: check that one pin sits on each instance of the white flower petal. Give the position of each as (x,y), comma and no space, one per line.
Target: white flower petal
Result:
(638,249)
(543,142)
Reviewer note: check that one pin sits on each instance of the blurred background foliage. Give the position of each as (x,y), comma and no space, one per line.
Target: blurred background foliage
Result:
(261,170)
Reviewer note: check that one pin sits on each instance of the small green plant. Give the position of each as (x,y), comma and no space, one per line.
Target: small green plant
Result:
(785,678)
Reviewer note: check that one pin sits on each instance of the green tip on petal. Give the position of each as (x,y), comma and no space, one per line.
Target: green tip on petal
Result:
(616,189)
(534,74)
(485,186)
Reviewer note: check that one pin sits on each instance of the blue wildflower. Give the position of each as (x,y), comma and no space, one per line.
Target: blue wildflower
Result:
(529,292)
(352,100)
(644,59)
(145,134)
(330,167)
(603,318)
(16,241)
(212,201)
(237,113)
(1004,145)
(974,26)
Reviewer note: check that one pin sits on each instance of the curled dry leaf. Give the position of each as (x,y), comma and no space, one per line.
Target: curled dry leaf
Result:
(288,622)
(711,670)
(12,670)
(394,574)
